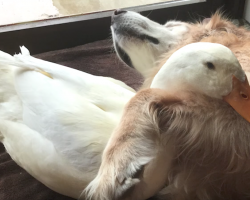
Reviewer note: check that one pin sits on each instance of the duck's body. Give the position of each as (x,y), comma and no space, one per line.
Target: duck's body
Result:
(55,121)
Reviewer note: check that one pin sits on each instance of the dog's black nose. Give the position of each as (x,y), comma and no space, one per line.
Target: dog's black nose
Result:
(119,11)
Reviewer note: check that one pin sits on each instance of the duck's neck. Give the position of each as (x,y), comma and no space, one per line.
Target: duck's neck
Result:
(171,80)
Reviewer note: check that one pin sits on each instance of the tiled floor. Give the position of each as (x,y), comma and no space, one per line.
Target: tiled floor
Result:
(17,11)
(67,7)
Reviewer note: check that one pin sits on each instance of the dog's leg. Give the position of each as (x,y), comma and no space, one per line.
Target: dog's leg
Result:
(136,160)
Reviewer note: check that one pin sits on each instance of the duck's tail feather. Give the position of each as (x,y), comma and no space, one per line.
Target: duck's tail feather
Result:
(17,60)
(26,61)
(10,104)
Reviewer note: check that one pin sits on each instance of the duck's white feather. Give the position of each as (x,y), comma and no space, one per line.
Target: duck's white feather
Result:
(66,118)
(39,157)
(76,119)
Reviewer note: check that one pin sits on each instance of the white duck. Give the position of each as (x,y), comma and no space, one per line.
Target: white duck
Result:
(187,111)
(55,121)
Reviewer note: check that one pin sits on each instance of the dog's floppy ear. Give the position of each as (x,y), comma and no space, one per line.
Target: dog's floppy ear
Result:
(135,161)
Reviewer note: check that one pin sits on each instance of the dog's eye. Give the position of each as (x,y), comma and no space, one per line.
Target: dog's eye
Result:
(210,65)
(152,39)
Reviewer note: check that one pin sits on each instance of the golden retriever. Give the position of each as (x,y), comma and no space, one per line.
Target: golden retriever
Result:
(138,154)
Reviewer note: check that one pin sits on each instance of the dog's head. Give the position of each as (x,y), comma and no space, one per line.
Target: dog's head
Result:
(139,42)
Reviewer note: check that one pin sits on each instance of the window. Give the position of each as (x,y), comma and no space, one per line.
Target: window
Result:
(13,12)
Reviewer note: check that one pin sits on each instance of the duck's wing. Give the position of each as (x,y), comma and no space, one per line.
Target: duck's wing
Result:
(120,83)
(75,110)
(52,69)
(25,61)
(38,156)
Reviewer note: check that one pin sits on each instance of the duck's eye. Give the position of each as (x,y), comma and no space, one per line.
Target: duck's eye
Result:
(210,65)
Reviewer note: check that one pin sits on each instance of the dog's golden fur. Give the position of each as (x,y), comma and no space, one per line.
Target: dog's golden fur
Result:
(217,30)
(209,158)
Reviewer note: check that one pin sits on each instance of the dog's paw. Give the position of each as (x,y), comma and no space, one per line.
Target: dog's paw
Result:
(108,187)
(113,181)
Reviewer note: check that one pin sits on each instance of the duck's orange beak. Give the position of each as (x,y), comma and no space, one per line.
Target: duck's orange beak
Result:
(239,98)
